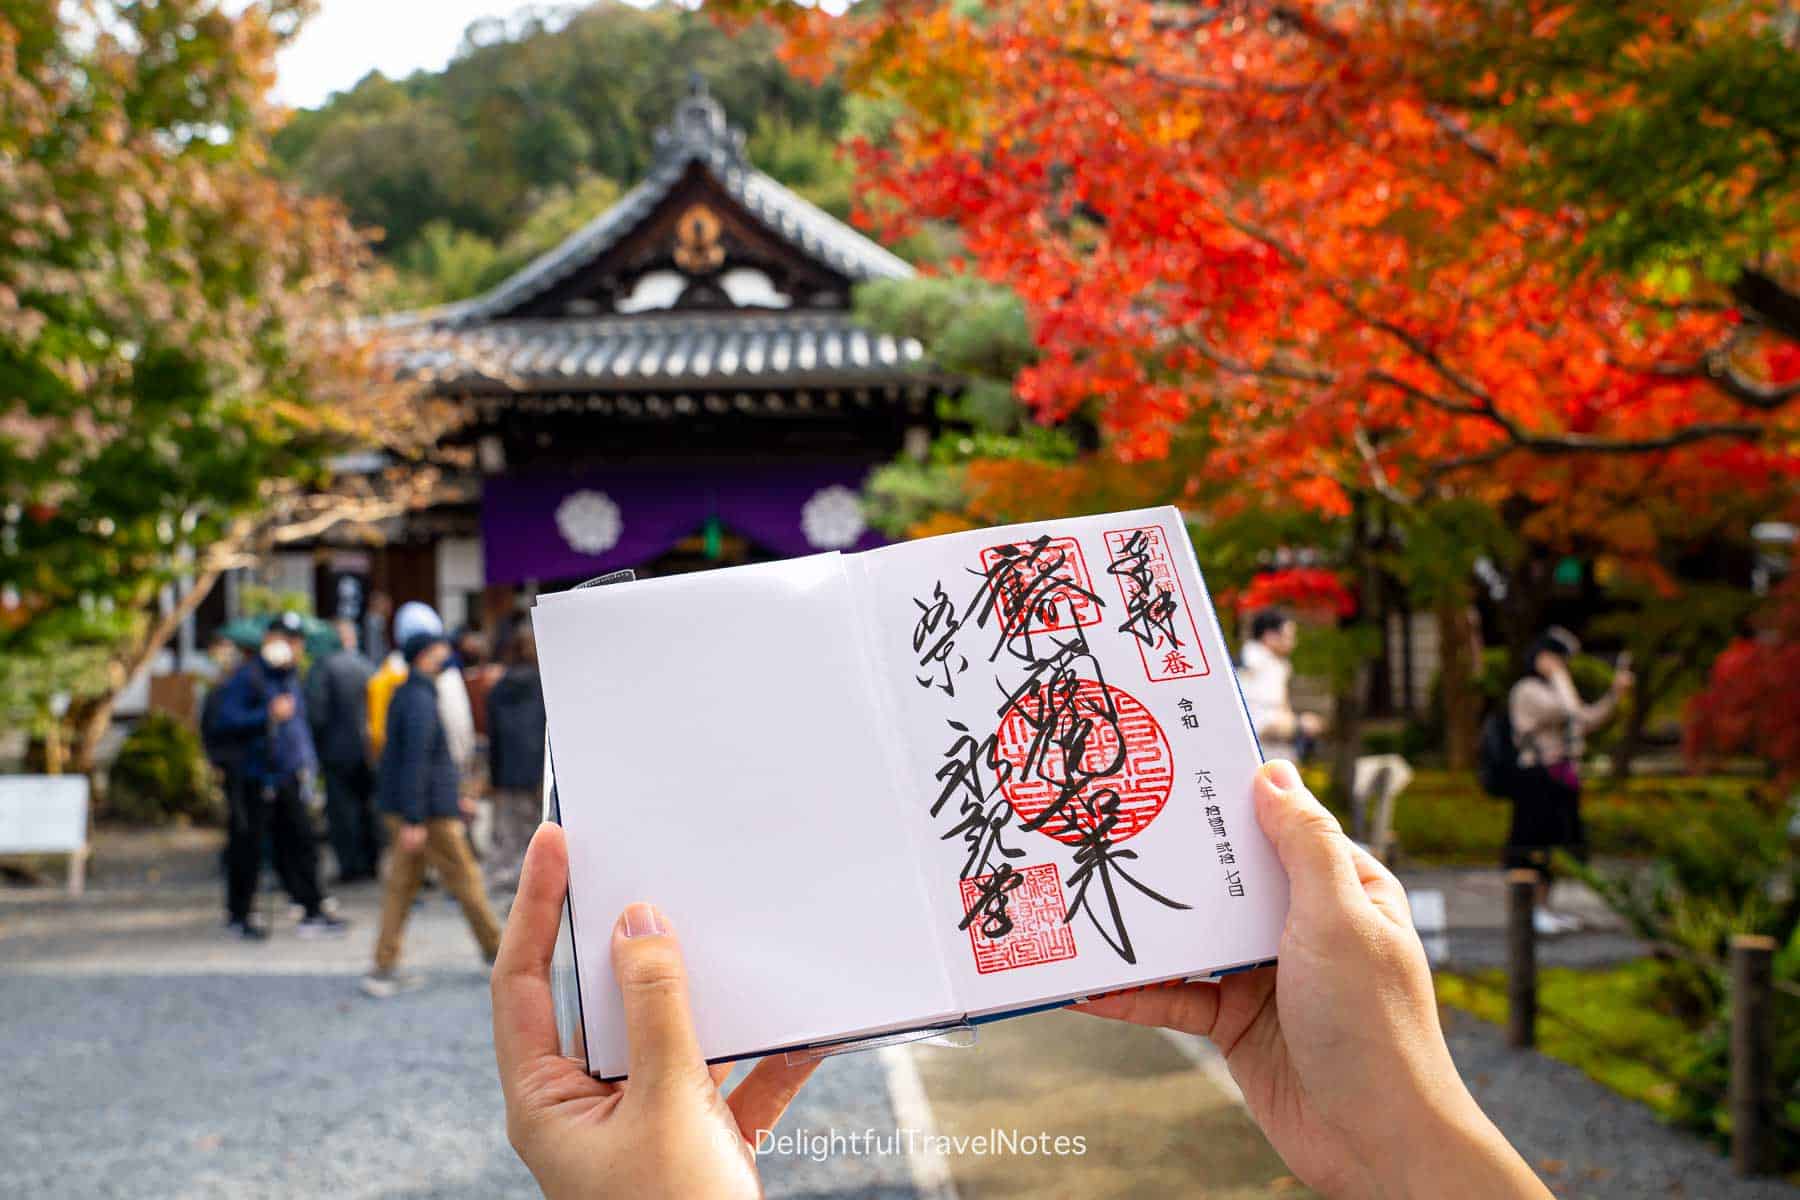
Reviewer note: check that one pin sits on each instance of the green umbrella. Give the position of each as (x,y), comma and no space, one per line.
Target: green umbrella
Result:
(318,636)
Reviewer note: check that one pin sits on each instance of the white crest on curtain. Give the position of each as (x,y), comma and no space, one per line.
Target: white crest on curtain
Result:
(589,521)
(832,518)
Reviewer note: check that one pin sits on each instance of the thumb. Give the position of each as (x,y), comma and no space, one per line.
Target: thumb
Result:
(653,987)
(1322,878)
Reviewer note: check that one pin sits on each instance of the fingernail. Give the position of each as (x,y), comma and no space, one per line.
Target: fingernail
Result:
(1282,774)
(643,920)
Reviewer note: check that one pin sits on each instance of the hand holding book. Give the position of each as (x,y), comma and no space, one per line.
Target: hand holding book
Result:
(1338,1048)
(669,1131)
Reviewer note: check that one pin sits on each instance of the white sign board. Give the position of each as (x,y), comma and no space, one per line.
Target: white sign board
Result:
(46,814)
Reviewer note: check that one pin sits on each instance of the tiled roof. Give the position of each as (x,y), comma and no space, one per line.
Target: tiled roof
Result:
(677,350)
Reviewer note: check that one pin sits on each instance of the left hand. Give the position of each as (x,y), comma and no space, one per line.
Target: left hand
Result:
(1623,680)
(665,1132)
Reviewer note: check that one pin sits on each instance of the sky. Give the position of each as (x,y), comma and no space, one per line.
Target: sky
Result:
(347,39)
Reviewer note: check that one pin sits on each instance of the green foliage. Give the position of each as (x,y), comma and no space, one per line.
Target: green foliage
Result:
(254,600)
(1435,546)
(1673,638)
(1591,675)
(1639,1039)
(161,775)
(545,102)
(448,263)
(1445,818)
(970,326)
(806,159)
(163,313)
(979,331)
(1678,146)
(1731,873)
(70,661)
(445,263)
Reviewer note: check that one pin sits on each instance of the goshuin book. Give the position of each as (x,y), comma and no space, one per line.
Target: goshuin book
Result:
(936,782)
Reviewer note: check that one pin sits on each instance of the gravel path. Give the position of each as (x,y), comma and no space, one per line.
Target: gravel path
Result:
(1586,1142)
(147,1056)
(255,1085)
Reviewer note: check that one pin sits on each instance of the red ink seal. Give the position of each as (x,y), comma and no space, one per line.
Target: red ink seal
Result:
(1165,658)
(1122,740)
(1041,587)
(1039,934)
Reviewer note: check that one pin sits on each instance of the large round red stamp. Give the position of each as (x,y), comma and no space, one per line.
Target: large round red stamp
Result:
(1123,754)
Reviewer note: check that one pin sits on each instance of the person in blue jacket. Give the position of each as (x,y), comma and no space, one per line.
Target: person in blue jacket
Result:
(419,794)
(261,711)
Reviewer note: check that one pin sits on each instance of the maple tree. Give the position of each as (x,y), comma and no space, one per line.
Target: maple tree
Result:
(1748,703)
(1392,264)
(176,339)
(1266,216)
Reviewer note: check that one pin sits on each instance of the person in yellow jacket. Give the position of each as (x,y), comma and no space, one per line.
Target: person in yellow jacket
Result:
(387,677)
(453,695)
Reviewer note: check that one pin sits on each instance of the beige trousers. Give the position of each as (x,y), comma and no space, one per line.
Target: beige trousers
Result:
(447,850)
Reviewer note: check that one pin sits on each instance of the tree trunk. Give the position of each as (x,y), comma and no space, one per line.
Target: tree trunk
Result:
(1346,719)
(1651,687)
(91,721)
(1351,699)
(1457,671)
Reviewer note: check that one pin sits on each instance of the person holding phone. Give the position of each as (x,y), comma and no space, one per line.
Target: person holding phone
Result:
(1337,1048)
(1550,724)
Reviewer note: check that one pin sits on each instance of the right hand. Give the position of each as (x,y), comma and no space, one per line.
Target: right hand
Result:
(281,708)
(1338,1048)
(412,839)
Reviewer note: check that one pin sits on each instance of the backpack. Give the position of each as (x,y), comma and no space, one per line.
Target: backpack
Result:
(1497,757)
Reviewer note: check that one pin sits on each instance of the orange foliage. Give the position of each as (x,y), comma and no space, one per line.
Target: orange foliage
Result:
(1255,223)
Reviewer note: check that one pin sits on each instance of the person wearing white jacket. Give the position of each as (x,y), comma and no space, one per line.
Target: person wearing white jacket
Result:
(453,694)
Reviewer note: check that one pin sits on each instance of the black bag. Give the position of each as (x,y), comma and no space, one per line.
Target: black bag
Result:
(1497,758)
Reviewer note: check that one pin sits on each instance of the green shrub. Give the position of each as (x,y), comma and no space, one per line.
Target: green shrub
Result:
(1726,870)
(161,775)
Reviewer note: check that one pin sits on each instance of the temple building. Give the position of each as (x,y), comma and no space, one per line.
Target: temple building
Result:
(679,384)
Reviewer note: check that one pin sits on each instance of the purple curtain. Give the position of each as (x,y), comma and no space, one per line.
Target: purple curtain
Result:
(558,526)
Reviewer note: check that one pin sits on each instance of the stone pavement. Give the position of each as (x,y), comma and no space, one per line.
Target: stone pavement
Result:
(1474,905)
(148,1056)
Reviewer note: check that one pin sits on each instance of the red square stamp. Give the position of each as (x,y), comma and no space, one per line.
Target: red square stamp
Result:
(1041,586)
(1038,934)
(1157,614)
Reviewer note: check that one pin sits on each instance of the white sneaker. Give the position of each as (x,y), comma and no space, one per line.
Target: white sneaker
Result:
(384,985)
(1546,923)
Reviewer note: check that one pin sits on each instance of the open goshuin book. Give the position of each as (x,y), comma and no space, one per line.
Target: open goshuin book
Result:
(945,780)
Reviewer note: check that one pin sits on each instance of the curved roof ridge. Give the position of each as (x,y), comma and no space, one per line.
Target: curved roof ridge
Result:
(696,132)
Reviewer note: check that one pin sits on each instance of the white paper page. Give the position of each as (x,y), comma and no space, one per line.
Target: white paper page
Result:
(1168,736)
(717,748)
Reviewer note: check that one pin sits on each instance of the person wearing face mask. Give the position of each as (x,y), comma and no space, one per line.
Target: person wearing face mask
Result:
(261,709)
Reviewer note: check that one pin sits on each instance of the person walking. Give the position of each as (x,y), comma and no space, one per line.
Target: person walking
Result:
(260,708)
(376,619)
(1263,673)
(337,690)
(515,715)
(417,790)
(416,617)
(1549,724)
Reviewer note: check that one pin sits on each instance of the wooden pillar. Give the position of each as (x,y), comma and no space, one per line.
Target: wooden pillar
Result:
(1521,959)
(1752,1055)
